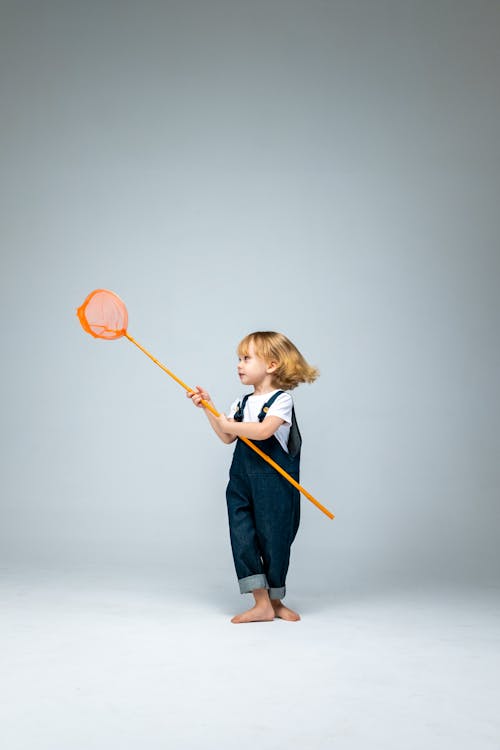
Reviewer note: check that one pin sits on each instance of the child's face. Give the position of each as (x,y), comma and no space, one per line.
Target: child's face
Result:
(252,369)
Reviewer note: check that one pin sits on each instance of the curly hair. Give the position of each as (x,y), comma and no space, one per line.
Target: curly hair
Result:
(276,347)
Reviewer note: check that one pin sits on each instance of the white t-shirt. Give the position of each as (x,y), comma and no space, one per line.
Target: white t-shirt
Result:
(282,408)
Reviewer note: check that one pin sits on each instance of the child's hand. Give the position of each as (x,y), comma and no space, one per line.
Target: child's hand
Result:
(225,424)
(199,395)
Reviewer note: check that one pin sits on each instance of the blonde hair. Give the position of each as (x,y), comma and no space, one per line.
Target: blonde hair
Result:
(292,367)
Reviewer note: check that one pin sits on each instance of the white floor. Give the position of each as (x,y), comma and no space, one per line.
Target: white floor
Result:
(90,663)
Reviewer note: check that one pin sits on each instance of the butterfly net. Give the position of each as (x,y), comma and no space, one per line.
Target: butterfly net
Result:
(103,315)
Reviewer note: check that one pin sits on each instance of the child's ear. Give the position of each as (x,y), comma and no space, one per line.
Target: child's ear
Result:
(272,366)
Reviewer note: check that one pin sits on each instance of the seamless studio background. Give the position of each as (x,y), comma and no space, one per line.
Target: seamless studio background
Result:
(325,169)
(329,170)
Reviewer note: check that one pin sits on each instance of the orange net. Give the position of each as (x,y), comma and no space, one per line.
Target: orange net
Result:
(103,315)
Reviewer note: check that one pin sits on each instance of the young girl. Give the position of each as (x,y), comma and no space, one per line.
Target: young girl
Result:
(263,507)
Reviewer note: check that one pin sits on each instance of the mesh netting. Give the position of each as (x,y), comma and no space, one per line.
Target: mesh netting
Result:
(103,315)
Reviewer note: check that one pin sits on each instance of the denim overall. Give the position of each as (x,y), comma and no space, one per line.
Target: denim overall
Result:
(263,508)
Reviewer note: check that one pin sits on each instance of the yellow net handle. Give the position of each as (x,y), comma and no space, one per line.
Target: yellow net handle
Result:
(245,440)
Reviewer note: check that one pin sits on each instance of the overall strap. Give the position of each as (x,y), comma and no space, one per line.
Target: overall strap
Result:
(294,438)
(238,415)
(268,404)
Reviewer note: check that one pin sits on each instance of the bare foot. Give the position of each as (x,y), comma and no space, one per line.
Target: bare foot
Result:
(284,612)
(260,613)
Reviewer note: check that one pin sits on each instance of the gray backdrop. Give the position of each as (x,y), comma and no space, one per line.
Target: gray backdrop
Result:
(326,169)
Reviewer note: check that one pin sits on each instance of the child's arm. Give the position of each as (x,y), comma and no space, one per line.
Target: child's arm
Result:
(252,430)
(199,395)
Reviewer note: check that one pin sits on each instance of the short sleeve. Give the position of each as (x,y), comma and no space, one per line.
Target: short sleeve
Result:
(282,408)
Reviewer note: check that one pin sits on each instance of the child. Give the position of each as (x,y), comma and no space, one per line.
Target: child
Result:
(263,507)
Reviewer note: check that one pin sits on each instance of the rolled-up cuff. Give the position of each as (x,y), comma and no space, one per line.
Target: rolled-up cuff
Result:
(250,583)
(277,593)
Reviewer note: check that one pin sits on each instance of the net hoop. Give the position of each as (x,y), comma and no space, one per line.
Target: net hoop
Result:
(104,315)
